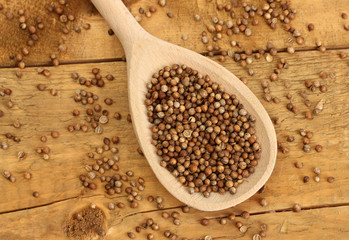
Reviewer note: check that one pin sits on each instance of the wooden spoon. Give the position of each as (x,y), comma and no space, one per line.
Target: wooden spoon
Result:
(146,55)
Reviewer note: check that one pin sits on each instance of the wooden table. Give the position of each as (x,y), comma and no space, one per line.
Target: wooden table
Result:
(325,205)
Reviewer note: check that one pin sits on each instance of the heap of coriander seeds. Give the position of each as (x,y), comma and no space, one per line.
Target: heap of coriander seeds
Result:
(205,136)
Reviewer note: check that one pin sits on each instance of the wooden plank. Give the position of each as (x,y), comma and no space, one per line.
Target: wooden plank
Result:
(95,44)
(57,178)
(48,222)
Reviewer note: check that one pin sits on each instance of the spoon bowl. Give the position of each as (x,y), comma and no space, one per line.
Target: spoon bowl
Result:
(146,55)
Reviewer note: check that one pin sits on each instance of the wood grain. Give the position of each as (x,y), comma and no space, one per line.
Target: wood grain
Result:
(47,222)
(101,46)
(57,179)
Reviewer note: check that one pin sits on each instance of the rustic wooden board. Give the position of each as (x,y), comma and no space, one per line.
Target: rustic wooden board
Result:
(57,179)
(47,222)
(96,45)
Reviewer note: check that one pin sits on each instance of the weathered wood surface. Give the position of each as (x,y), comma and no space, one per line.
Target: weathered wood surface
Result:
(24,217)
(57,179)
(47,222)
(96,45)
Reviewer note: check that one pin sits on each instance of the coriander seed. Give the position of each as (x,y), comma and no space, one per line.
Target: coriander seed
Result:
(330,179)
(297,207)
(54,134)
(204,222)
(263,202)
(298,165)
(318,148)
(223,221)
(245,214)
(36,194)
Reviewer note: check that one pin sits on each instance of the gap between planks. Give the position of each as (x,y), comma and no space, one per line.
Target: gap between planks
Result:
(106,60)
(177,207)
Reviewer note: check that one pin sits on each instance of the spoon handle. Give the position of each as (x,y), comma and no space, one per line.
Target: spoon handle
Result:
(121,21)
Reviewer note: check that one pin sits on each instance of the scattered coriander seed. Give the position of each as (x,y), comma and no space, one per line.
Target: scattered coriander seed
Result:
(290,139)
(108,101)
(92,186)
(197,17)
(290,50)
(245,214)
(9,15)
(257,237)
(231,217)
(41,87)
(311,27)
(306,179)
(99,129)
(317,179)
(184,37)
(343,55)
(152,9)
(170,15)
(263,202)
(297,207)
(103,119)
(7,91)
(36,194)
(21,65)
(150,236)
(264,227)
(17,124)
(131,235)
(111,206)
(53,92)
(302,132)
(263,233)
(317,171)
(176,221)
(318,148)
(129,119)
(9,104)
(93,206)
(243,229)
(308,115)
(185,209)
(54,134)
(120,205)
(6,174)
(269,58)
(12,179)
(21,155)
(148,14)
(306,148)
(117,116)
(18,74)
(167,233)
(27,175)
(162,3)
(344,15)
(204,222)
(223,221)
(4,145)
(298,165)
(330,179)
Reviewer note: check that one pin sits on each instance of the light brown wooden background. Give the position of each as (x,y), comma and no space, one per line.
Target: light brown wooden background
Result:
(24,217)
